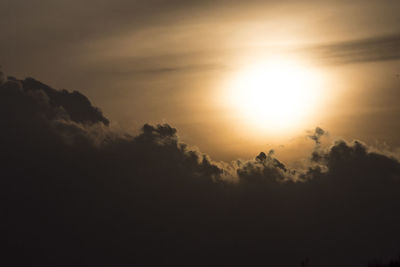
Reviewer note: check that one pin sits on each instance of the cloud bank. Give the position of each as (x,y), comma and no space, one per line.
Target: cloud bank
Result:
(77,193)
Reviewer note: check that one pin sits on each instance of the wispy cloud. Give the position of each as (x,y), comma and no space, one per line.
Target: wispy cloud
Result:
(380,48)
(171,69)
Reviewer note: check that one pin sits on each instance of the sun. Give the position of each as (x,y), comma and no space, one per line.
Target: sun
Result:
(276,95)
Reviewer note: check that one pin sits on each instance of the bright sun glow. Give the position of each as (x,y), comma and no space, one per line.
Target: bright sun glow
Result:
(277,96)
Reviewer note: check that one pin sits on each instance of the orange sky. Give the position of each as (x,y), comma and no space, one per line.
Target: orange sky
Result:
(168,61)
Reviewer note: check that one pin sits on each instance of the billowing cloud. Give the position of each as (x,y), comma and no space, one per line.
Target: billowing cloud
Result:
(77,193)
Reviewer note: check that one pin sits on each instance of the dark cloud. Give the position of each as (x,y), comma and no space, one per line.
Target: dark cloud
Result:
(77,193)
(378,48)
(316,136)
(76,105)
(2,77)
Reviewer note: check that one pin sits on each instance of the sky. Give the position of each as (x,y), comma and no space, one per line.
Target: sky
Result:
(170,61)
(223,132)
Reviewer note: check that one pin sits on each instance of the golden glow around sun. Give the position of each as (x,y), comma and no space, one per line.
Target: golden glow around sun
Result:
(276,96)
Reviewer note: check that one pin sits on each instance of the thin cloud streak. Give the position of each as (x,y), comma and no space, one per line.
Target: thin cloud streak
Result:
(374,49)
(169,69)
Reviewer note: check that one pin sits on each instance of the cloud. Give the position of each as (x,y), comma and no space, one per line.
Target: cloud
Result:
(378,48)
(2,78)
(316,136)
(167,69)
(76,105)
(76,192)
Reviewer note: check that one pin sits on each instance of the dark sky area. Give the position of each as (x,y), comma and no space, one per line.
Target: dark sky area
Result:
(122,144)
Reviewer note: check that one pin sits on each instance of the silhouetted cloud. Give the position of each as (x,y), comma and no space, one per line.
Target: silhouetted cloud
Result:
(77,193)
(316,136)
(2,78)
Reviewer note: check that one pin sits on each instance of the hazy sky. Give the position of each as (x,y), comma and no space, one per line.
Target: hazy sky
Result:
(170,61)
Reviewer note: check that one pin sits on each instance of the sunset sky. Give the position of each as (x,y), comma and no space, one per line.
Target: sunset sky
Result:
(175,61)
(200,133)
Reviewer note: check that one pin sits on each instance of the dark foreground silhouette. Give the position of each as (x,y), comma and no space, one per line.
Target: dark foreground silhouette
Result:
(76,193)
(392,263)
